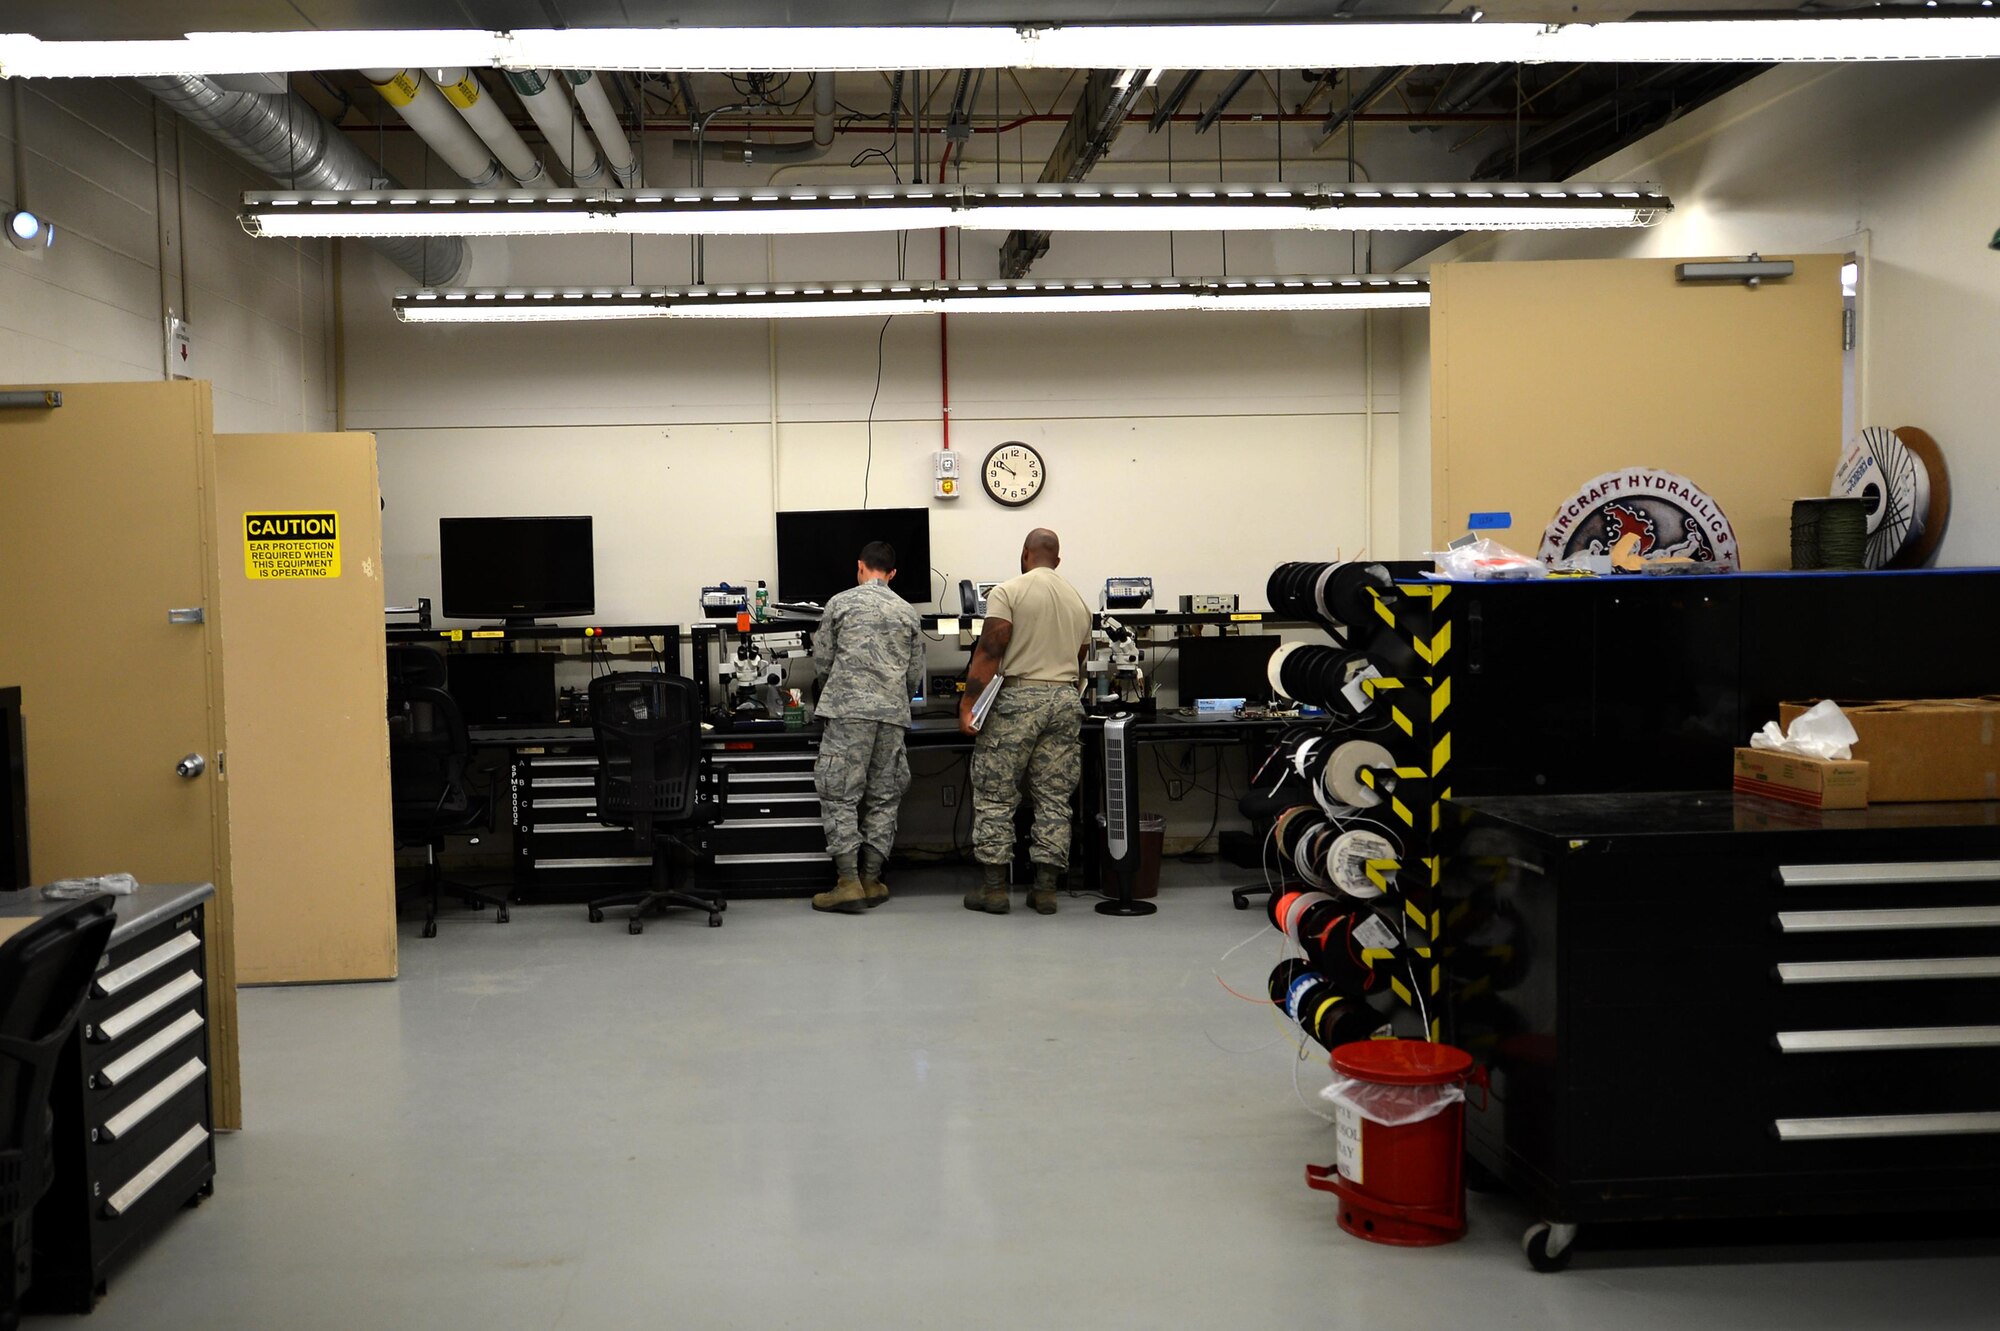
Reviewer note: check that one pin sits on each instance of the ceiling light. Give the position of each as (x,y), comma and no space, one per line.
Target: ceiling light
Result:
(824,300)
(30,231)
(1091,46)
(1053,207)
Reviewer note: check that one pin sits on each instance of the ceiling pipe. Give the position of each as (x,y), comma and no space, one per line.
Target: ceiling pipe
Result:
(596,106)
(553,114)
(750,153)
(1170,105)
(282,136)
(416,99)
(462,88)
(1221,103)
(1371,94)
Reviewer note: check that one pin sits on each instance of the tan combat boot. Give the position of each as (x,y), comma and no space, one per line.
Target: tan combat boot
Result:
(871,878)
(991,894)
(1042,896)
(848,896)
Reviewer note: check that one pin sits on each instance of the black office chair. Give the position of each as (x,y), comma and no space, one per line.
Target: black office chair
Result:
(648,730)
(45,973)
(430,798)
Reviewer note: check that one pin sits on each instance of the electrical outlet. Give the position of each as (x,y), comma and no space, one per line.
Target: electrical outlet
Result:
(950,797)
(945,686)
(1176,789)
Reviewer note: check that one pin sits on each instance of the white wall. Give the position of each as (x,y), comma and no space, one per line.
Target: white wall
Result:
(105,167)
(1899,163)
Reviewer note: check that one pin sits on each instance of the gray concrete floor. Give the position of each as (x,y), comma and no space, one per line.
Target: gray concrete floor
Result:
(913,1118)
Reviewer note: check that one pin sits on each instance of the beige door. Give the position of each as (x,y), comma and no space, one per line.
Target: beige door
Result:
(108,597)
(1545,375)
(312,850)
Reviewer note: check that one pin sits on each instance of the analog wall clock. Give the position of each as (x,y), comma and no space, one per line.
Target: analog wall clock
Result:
(1013,474)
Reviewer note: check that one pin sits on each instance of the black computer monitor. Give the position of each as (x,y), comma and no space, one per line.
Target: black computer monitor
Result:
(517,569)
(1226,667)
(503,688)
(13,793)
(817,549)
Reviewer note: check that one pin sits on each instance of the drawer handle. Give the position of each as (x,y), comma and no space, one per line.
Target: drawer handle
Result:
(1852,875)
(596,862)
(564,802)
(1861,921)
(121,1068)
(797,857)
(1884,1125)
(1909,1037)
(145,964)
(1912,968)
(764,824)
(114,1026)
(143,1108)
(158,1168)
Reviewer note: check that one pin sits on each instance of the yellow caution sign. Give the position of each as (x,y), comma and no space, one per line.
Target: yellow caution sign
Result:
(291,546)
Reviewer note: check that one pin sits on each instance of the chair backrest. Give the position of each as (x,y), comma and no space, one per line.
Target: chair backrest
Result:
(45,972)
(413,664)
(428,752)
(648,730)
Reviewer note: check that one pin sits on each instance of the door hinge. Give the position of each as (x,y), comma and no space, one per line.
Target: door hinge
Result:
(1847,330)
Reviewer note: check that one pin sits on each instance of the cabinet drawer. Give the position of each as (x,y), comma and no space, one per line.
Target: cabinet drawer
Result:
(110,1026)
(775,837)
(161,1181)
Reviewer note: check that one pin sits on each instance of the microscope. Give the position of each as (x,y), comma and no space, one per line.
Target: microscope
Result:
(755,676)
(1118,681)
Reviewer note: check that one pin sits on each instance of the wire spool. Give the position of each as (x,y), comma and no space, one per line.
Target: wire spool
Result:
(1330,1017)
(1830,533)
(1288,919)
(1310,858)
(1291,828)
(1314,674)
(1327,937)
(1328,590)
(1347,860)
(1340,777)
(1901,475)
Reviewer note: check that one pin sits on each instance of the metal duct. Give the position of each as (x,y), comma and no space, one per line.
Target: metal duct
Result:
(282,136)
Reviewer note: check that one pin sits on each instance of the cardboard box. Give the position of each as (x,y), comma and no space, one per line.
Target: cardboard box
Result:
(1923,749)
(1817,783)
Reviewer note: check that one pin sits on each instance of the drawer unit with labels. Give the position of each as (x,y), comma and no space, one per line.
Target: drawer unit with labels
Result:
(769,841)
(132,1140)
(1704,1005)
(561,851)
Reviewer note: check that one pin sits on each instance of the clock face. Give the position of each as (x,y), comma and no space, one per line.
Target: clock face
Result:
(1013,474)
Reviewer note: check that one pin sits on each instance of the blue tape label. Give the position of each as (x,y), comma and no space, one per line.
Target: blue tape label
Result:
(1490,521)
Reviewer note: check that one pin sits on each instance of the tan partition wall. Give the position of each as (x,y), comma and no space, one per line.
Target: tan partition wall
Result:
(299,527)
(1544,375)
(114,633)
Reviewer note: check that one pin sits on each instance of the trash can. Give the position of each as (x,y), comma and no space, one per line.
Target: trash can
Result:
(1399,1121)
(1152,845)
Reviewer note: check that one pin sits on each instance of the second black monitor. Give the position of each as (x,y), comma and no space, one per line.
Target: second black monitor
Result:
(1226,667)
(817,549)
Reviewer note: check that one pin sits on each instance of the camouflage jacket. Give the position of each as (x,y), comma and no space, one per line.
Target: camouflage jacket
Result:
(869,648)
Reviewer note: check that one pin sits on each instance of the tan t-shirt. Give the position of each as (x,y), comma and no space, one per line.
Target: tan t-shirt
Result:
(1051,623)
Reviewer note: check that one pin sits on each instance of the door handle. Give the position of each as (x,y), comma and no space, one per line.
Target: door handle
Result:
(193,614)
(191,766)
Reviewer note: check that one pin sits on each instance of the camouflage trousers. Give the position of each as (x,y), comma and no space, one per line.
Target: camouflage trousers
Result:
(861,775)
(1033,736)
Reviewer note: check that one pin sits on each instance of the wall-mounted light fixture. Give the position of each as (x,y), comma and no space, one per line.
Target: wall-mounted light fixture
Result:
(30,231)
(1035,207)
(1748,271)
(824,300)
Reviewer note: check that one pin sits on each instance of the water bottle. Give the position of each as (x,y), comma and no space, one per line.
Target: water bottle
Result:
(763,601)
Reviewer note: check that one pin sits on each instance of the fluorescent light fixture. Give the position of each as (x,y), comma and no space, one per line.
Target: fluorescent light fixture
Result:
(1073,207)
(1234,46)
(833,300)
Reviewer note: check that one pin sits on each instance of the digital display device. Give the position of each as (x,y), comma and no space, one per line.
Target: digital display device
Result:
(817,549)
(517,569)
(1227,667)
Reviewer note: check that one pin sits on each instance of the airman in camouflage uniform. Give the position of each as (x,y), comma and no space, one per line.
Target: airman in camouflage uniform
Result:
(869,648)
(1037,631)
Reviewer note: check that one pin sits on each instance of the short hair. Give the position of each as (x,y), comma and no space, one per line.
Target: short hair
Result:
(880,556)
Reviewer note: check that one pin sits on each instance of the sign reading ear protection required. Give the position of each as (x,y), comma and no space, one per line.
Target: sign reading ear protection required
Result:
(291,545)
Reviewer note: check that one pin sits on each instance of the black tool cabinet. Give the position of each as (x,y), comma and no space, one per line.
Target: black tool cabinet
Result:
(133,1127)
(1706,1005)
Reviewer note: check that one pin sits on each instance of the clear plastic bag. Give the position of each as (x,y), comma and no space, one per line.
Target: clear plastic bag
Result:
(71,889)
(1392,1106)
(1486,559)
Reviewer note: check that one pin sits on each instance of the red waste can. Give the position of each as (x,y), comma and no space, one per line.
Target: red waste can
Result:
(1402,1184)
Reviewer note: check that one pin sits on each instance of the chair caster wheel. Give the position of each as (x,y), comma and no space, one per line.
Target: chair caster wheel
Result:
(633,926)
(721,905)
(596,915)
(430,928)
(1549,1246)
(473,903)
(715,921)
(503,916)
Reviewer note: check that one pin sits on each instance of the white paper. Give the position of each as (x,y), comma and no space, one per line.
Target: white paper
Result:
(1821,731)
